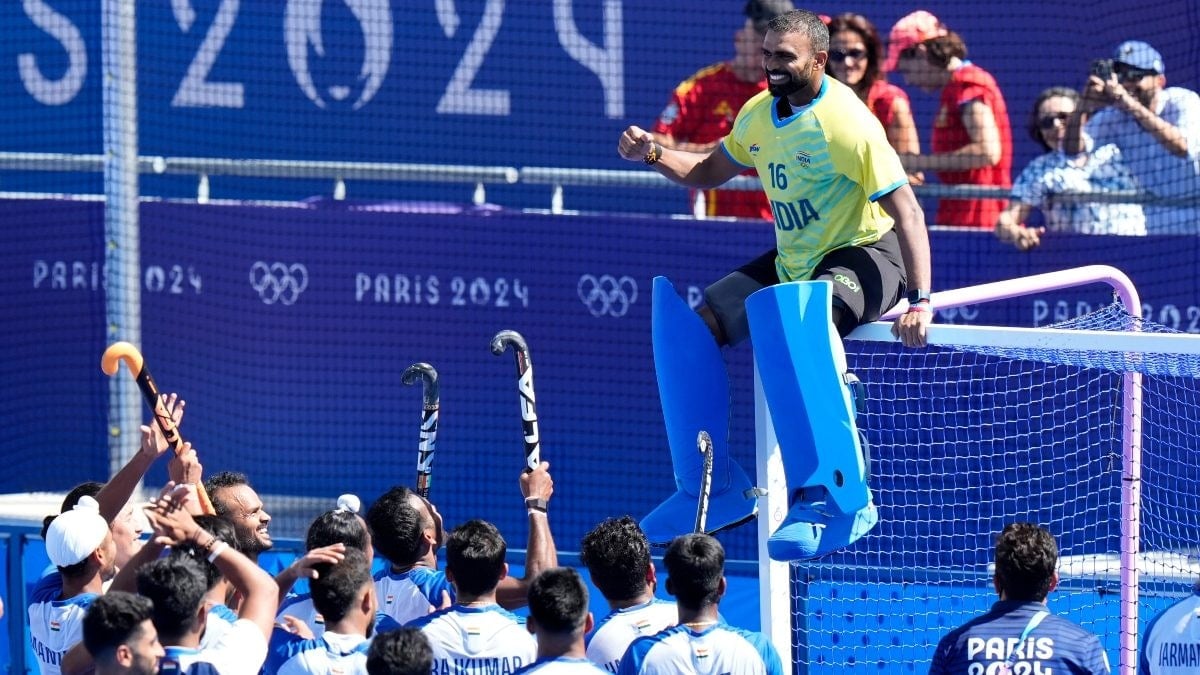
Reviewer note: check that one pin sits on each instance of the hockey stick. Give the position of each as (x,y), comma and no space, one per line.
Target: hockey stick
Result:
(529,420)
(704,443)
(429,421)
(111,361)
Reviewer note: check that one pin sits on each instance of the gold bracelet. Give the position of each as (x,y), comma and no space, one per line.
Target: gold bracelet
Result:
(654,154)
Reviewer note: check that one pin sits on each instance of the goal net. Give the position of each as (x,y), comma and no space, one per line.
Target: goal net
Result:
(994,426)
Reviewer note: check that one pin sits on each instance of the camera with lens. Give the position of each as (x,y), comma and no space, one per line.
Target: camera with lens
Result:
(1103,69)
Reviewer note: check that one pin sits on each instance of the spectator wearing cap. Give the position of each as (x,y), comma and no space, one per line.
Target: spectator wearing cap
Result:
(856,60)
(1156,127)
(702,107)
(971,143)
(81,548)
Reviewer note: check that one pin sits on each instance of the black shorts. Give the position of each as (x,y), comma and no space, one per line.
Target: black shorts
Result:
(867,281)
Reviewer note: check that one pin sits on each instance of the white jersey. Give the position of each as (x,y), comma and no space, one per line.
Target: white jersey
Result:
(410,595)
(562,665)
(607,642)
(55,625)
(218,620)
(330,653)
(1172,642)
(720,648)
(241,650)
(477,641)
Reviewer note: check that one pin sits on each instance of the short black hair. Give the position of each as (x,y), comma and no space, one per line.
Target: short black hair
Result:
(338,585)
(218,527)
(802,21)
(695,566)
(760,12)
(339,526)
(114,619)
(617,556)
(475,557)
(89,488)
(220,481)
(1026,557)
(400,652)
(396,526)
(176,587)
(558,601)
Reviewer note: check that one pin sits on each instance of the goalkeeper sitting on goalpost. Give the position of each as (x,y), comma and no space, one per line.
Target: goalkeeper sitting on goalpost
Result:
(847,226)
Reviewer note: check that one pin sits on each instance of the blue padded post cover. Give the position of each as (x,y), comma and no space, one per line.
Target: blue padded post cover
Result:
(694,390)
(801,363)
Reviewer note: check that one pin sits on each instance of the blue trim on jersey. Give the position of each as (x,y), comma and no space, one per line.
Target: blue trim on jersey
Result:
(293,599)
(731,157)
(887,190)
(223,612)
(797,112)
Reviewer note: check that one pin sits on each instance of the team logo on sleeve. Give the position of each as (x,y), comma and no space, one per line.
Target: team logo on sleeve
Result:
(754,148)
(803,158)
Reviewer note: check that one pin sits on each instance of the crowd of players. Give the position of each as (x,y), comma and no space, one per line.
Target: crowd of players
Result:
(193,599)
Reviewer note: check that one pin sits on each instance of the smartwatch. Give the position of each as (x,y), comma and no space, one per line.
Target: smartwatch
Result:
(917,296)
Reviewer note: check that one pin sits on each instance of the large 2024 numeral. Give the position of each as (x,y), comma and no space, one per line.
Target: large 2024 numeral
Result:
(196,90)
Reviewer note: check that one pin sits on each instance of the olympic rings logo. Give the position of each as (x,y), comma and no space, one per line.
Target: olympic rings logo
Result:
(607,295)
(278,282)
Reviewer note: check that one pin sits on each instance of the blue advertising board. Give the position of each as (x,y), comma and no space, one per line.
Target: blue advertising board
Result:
(287,330)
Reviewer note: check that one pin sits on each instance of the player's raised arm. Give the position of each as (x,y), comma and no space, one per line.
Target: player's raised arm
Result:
(686,168)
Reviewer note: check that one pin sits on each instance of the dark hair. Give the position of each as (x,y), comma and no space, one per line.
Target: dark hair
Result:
(558,601)
(802,21)
(396,526)
(218,527)
(217,482)
(338,585)
(400,652)
(866,31)
(176,587)
(1035,129)
(89,488)
(760,12)
(695,564)
(940,50)
(338,526)
(114,619)
(475,556)
(1026,557)
(617,556)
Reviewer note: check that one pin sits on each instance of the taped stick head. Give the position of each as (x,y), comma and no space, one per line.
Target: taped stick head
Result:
(121,351)
(507,337)
(428,375)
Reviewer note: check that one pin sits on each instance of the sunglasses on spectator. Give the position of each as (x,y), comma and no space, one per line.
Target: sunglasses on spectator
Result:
(1130,74)
(839,55)
(1047,122)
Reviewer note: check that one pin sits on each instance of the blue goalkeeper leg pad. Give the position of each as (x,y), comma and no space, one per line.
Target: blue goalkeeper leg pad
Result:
(802,366)
(694,389)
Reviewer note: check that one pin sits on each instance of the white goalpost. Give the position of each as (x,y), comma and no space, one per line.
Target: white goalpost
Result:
(1090,428)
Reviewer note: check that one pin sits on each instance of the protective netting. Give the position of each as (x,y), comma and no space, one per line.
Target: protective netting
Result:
(964,442)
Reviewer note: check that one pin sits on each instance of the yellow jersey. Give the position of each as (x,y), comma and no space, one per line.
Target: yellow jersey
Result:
(823,168)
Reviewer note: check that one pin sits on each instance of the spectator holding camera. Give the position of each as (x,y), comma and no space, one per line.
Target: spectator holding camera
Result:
(1056,172)
(1127,103)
